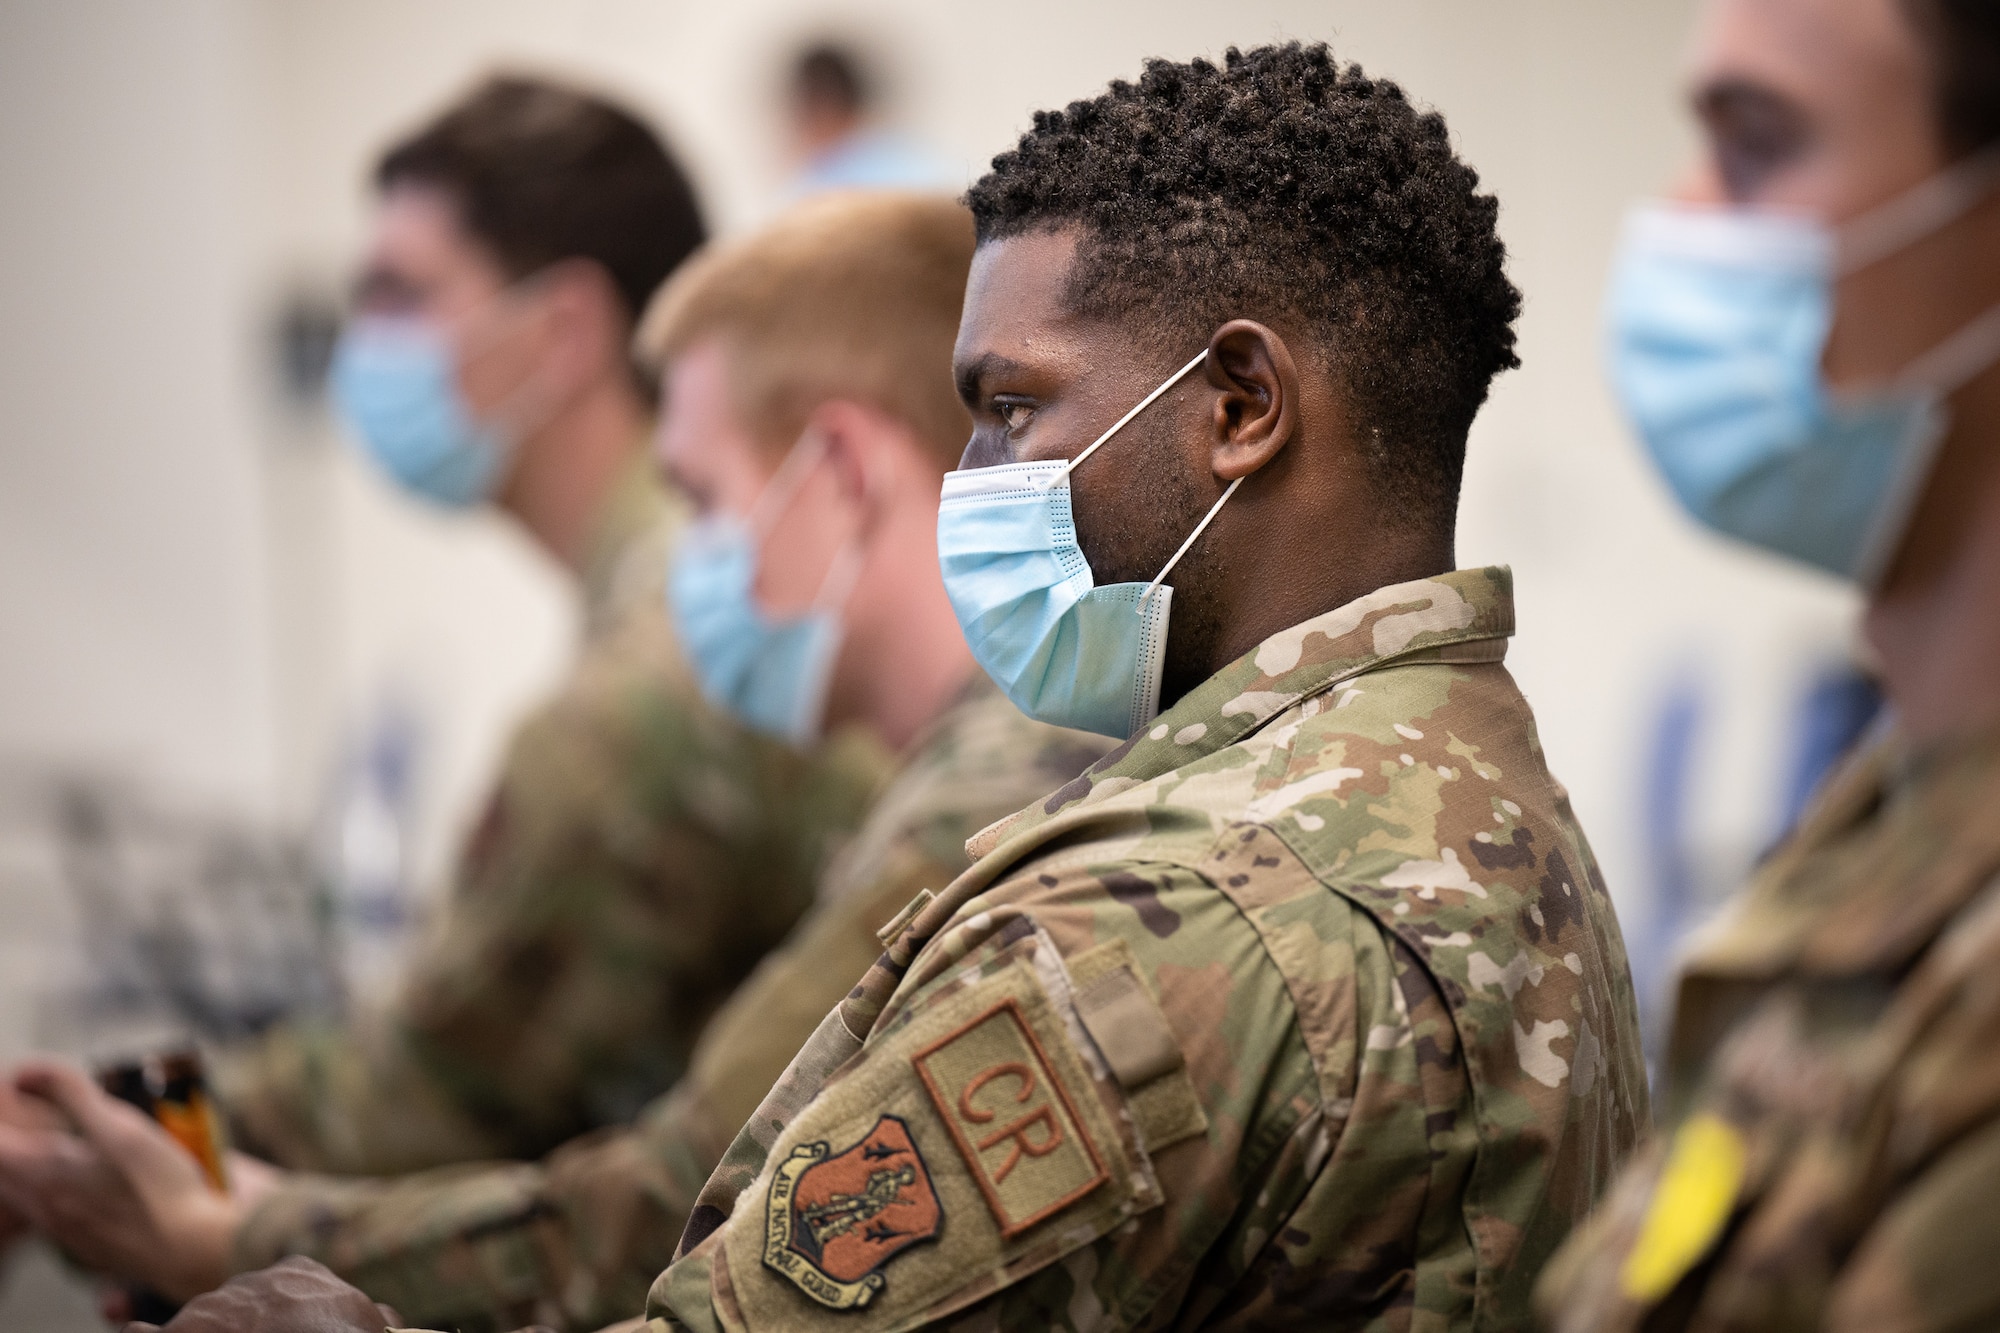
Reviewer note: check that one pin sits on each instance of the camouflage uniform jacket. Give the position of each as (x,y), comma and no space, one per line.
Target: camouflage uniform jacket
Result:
(574,1242)
(1835,1082)
(1305,1007)
(639,855)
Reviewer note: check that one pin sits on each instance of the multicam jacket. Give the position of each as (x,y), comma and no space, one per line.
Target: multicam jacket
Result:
(1834,1161)
(574,1242)
(1305,1007)
(639,855)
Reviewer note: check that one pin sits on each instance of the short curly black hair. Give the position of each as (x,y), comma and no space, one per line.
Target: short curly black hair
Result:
(1282,185)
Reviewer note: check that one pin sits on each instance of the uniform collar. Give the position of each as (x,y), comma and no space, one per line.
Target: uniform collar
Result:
(633,511)
(1901,838)
(1464,616)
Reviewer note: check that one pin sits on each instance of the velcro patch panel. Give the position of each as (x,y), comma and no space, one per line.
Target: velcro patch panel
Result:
(966,1148)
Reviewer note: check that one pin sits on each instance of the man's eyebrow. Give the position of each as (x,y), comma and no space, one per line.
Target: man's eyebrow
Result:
(978,370)
(1733,94)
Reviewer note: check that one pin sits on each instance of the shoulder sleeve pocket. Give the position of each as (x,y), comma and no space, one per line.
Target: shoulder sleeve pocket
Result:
(964,1150)
(1131,1032)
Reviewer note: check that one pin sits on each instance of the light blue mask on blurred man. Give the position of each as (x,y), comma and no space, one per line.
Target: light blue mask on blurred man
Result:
(770,672)
(1066,651)
(396,382)
(1718,322)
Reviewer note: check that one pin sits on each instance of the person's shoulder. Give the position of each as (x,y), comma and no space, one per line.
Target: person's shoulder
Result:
(625,704)
(1050,1067)
(1232,963)
(1880,867)
(983,737)
(1419,796)
(979,761)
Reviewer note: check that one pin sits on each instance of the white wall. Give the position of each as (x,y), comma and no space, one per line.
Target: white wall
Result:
(131,560)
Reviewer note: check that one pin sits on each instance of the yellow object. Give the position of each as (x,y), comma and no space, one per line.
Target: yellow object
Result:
(194,1125)
(1697,1190)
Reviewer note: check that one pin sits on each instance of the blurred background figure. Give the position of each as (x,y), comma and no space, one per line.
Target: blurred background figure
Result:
(1805,331)
(835,136)
(639,852)
(793,424)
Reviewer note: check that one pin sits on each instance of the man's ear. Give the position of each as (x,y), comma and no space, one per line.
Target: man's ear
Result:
(1257,412)
(858,445)
(585,324)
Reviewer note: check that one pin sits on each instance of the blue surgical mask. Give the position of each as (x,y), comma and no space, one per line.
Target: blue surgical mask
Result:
(770,673)
(1718,321)
(395,381)
(1066,651)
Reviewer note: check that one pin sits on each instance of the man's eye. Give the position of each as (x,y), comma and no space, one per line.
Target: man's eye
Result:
(1013,415)
(1754,134)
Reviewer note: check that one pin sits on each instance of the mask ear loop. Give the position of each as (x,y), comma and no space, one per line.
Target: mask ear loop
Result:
(1926,207)
(845,572)
(1119,424)
(784,484)
(779,491)
(528,406)
(1199,528)
(1953,363)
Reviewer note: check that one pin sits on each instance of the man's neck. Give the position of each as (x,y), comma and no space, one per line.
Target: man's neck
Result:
(564,473)
(1261,607)
(906,661)
(929,675)
(1935,623)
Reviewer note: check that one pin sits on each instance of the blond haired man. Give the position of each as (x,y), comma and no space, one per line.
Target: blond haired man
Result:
(810,415)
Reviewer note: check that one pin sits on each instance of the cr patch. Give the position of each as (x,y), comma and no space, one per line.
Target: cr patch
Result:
(831,1220)
(1011,1117)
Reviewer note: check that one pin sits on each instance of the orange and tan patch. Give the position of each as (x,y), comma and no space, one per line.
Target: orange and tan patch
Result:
(831,1220)
(1011,1118)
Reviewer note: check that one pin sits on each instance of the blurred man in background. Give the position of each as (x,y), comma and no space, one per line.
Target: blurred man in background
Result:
(809,413)
(1807,338)
(641,851)
(835,140)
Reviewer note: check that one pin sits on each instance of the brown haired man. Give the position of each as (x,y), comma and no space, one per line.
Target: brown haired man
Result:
(630,867)
(807,389)
(641,851)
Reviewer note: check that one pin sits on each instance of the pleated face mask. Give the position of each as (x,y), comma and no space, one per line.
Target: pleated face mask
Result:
(770,672)
(395,381)
(1718,320)
(1066,651)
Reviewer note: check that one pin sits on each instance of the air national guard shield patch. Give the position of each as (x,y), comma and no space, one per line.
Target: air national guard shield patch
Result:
(831,1220)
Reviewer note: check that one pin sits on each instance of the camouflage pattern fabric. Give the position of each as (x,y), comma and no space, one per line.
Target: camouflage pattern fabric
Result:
(574,1242)
(1305,1007)
(639,855)
(1834,1154)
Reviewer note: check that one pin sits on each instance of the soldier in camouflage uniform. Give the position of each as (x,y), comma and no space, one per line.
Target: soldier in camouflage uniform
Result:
(1831,1154)
(1305,1006)
(576,1240)
(641,851)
